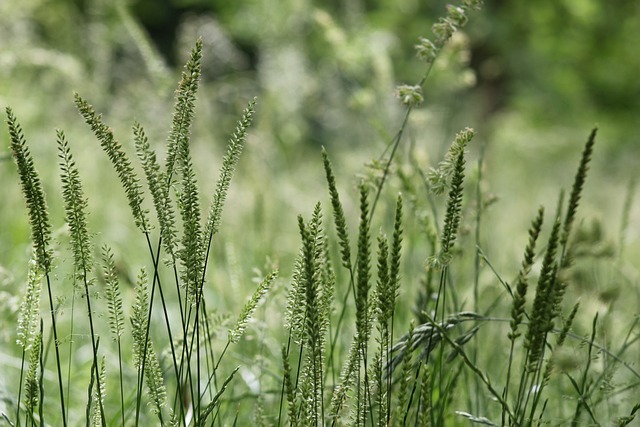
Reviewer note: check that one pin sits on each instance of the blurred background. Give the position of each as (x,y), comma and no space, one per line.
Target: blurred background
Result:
(532,78)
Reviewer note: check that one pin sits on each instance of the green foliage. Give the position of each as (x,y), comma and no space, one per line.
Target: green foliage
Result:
(336,360)
(191,252)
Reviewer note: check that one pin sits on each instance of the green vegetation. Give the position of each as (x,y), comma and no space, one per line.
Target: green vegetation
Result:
(282,296)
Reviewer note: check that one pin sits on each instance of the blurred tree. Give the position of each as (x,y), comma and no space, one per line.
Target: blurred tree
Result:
(336,62)
(562,58)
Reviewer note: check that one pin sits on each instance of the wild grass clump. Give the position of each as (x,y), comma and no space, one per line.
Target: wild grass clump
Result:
(366,340)
(193,362)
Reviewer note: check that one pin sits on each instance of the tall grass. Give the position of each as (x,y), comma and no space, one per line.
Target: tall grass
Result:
(338,359)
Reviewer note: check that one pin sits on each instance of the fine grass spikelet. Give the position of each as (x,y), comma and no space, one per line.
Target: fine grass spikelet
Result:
(114,306)
(439,177)
(294,313)
(424,414)
(380,400)
(139,318)
(578,185)
(229,163)
(191,251)
(475,419)
(426,50)
(338,213)
(184,108)
(155,383)
(32,192)
(156,181)
(410,95)
(327,282)
(472,4)
(143,351)
(566,327)
(119,160)
(310,234)
(249,308)
(178,158)
(216,399)
(395,254)
(443,30)
(456,18)
(347,378)
(112,291)
(562,336)
(519,299)
(383,289)
(99,395)
(37,212)
(314,318)
(32,386)
(454,204)
(75,206)
(29,312)
(626,420)
(541,319)
(289,389)
(457,15)
(405,376)
(363,271)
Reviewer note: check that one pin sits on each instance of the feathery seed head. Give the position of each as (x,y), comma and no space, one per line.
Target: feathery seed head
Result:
(443,30)
(410,95)
(426,50)
(457,15)
(472,4)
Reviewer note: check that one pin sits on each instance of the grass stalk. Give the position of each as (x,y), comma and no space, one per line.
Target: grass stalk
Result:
(75,210)
(116,314)
(40,228)
(581,388)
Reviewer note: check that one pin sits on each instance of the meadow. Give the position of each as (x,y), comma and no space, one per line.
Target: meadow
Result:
(305,243)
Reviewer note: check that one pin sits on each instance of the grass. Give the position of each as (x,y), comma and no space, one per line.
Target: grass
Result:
(393,312)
